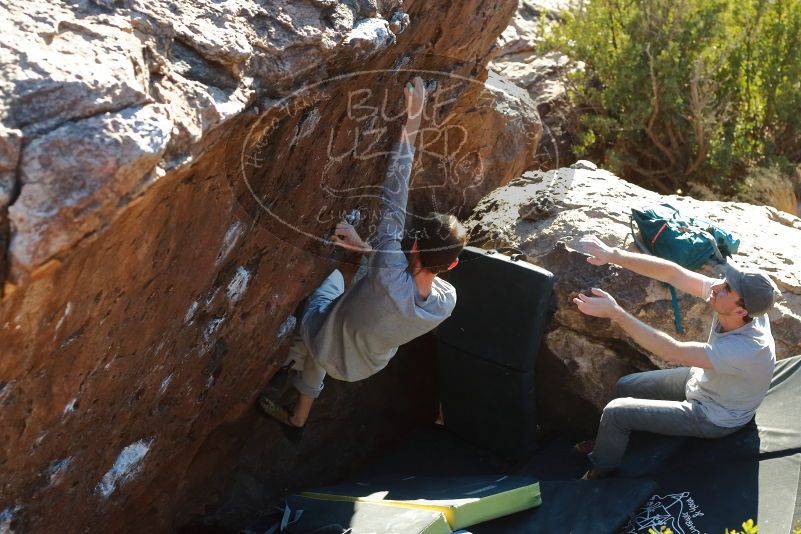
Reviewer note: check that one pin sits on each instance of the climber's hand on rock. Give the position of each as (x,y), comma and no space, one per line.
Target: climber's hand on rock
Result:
(601,304)
(345,236)
(415,99)
(600,253)
(415,102)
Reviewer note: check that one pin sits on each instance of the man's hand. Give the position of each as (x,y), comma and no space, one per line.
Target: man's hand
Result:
(600,254)
(345,236)
(415,102)
(650,266)
(415,98)
(658,343)
(601,305)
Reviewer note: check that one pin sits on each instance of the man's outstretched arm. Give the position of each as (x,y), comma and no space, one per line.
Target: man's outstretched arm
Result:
(651,266)
(395,190)
(654,341)
(415,98)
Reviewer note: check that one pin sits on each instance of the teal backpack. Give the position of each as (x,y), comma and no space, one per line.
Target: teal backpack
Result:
(688,241)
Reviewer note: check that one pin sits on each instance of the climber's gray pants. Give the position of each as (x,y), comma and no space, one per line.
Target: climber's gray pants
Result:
(309,377)
(653,401)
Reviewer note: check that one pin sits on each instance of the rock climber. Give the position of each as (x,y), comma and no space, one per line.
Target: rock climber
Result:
(351,335)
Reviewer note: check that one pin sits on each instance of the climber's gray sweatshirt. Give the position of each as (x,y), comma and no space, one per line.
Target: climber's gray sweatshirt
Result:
(383,310)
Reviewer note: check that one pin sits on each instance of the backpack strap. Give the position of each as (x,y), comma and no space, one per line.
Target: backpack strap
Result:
(286,520)
(674,299)
(730,242)
(676,213)
(636,239)
(653,241)
(714,242)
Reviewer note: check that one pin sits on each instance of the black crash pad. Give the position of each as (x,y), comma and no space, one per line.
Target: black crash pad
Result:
(568,504)
(710,485)
(576,507)
(690,485)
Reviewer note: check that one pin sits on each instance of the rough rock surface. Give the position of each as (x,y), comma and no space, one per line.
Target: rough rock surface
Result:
(167,172)
(518,58)
(544,214)
(10,141)
(491,136)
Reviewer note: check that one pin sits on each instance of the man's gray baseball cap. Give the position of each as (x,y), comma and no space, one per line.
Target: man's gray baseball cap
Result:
(755,287)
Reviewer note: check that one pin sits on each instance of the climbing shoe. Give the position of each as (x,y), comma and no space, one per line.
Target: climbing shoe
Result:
(279,413)
(280,386)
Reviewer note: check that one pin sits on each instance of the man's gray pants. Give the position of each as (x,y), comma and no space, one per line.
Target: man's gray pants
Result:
(310,375)
(652,401)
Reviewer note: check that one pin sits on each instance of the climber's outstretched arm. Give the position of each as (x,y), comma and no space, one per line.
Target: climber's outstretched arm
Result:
(395,192)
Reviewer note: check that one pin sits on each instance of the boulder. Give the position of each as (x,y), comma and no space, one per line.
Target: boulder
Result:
(545,214)
(169,172)
(491,136)
(519,58)
(75,178)
(524,31)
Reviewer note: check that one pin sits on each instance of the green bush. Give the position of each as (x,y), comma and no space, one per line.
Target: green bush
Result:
(685,90)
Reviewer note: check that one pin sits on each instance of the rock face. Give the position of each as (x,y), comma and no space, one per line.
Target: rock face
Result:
(10,141)
(544,76)
(490,137)
(544,215)
(168,173)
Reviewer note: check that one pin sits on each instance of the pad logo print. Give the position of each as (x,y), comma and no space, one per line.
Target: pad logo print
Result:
(675,511)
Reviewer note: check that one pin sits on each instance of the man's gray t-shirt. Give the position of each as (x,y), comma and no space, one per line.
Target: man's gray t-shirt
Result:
(362,330)
(742,361)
